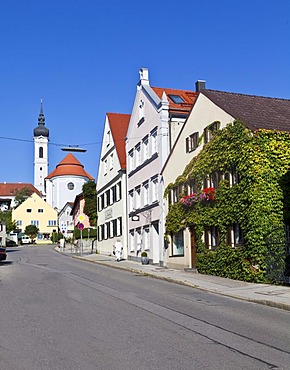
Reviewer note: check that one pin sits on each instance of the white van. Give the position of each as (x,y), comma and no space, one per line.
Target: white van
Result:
(25,239)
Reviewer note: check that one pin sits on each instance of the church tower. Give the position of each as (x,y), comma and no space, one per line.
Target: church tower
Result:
(40,137)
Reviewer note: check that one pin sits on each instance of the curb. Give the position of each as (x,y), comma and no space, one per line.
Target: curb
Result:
(265,302)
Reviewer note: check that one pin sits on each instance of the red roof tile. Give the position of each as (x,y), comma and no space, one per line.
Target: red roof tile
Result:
(69,166)
(119,125)
(187,95)
(10,189)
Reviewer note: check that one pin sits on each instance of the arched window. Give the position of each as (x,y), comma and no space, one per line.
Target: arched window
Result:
(40,152)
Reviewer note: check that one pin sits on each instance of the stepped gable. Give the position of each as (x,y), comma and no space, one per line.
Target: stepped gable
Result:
(119,125)
(256,112)
(69,166)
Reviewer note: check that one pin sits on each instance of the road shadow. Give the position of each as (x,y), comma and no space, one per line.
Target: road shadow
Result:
(5,263)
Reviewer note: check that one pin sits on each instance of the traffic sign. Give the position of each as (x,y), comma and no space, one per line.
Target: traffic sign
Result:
(81,217)
(81,226)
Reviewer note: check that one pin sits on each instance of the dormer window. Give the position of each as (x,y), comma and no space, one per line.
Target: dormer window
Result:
(177,99)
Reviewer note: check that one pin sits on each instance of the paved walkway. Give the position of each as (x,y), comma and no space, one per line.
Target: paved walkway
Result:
(271,295)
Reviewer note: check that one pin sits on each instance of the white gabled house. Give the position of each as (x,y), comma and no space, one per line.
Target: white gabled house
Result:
(111,185)
(65,220)
(157,116)
(213,110)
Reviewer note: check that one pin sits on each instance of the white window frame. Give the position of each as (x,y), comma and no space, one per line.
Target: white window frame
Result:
(146,193)
(138,197)
(145,148)
(137,155)
(154,192)
(146,238)
(154,141)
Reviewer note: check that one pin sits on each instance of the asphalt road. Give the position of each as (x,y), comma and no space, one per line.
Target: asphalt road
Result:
(58,312)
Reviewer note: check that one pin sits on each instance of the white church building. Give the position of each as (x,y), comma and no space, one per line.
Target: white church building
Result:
(65,181)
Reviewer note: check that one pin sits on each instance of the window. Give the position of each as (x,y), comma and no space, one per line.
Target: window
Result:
(232,177)
(70,186)
(40,152)
(105,166)
(146,243)
(138,197)
(111,161)
(138,154)
(210,130)
(40,210)
(108,138)
(178,244)
(155,189)
(99,204)
(51,222)
(235,235)
(192,142)
(108,198)
(139,239)
(131,241)
(154,141)
(19,222)
(114,193)
(177,99)
(111,229)
(131,160)
(28,210)
(212,237)
(131,195)
(119,191)
(34,222)
(141,112)
(145,148)
(146,193)
(119,226)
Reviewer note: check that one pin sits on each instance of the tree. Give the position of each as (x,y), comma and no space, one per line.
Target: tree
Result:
(31,231)
(90,196)
(22,195)
(7,218)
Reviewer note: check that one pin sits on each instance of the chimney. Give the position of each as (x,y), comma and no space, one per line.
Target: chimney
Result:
(199,85)
(144,76)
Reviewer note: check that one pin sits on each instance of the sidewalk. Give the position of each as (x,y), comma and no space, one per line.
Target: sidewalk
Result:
(270,295)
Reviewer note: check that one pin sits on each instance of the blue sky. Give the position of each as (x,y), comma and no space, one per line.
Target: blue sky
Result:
(82,58)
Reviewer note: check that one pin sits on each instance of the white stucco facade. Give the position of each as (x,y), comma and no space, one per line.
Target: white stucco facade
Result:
(151,133)
(111,186)
(63,189)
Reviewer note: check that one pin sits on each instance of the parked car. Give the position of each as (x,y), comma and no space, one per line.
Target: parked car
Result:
(25,239)
(3,254)
(10,243)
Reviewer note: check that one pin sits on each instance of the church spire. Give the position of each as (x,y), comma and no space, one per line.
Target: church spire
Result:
(41,130)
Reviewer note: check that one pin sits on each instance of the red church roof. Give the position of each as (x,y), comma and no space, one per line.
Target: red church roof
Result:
(69,166)
(119,125)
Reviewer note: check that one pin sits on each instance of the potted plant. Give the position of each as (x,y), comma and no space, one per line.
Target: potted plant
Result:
(144,258)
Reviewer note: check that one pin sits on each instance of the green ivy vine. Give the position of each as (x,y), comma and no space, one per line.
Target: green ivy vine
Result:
(259,202)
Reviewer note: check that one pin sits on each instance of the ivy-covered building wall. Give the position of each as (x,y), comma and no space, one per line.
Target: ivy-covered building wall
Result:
(230,197)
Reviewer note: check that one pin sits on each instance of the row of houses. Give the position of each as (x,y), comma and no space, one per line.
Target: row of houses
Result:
(143,171)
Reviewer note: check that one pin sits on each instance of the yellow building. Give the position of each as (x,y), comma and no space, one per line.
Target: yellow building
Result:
(35,211)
